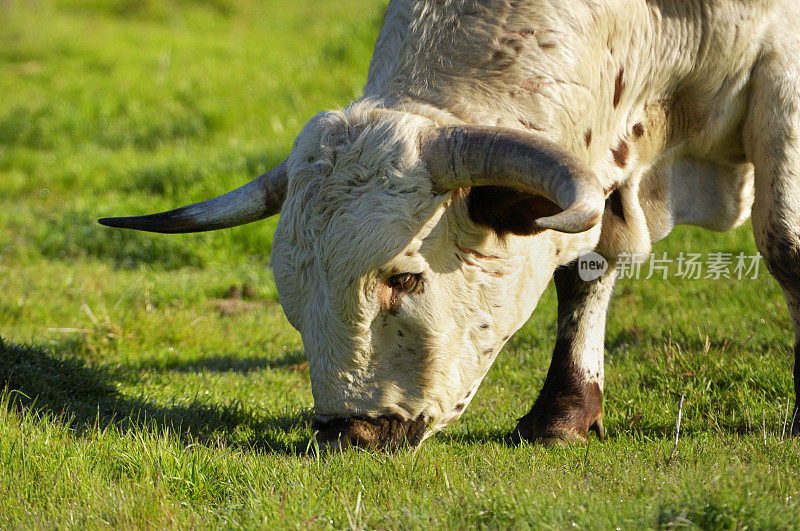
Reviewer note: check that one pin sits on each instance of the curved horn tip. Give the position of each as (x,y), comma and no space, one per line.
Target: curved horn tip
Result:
(164,223)
(571,221)
(260,198)
(109,222)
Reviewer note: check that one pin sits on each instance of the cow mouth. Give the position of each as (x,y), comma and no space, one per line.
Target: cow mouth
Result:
(388,432)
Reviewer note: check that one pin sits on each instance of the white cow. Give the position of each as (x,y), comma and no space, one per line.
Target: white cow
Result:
(496,142)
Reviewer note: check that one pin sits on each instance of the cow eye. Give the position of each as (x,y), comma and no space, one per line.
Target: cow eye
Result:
(405,282)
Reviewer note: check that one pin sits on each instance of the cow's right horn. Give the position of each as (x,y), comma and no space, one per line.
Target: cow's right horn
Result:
(465,156)
(260,198)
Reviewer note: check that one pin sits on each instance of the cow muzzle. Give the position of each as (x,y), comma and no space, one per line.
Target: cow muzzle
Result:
(388,432)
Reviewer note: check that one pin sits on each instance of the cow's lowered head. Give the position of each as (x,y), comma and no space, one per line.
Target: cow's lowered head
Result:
(406,255)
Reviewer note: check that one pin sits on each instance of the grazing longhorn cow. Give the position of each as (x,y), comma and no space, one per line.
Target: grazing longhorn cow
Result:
(496,142)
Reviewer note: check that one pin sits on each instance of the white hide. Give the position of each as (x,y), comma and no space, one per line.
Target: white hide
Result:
(667,79)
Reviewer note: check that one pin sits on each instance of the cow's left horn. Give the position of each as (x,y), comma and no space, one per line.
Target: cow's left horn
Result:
(258,199)
(464,156)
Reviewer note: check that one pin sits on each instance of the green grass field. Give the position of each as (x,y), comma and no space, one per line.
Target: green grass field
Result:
(153,381)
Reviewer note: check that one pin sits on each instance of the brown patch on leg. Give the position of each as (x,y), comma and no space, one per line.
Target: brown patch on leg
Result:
(567,408)
(638,130)
(587,137)
(619,85)
(620,154)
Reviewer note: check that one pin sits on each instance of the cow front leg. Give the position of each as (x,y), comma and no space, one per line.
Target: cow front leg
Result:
(570,403)
(772,143)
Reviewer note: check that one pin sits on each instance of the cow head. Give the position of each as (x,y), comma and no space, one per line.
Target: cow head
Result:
(406,255)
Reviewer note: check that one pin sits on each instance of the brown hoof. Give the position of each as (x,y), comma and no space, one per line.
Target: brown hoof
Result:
(558,435)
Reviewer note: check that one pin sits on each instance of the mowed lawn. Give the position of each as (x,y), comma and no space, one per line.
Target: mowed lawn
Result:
(153,381)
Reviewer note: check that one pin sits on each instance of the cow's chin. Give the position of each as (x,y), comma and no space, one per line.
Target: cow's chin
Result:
(387,432)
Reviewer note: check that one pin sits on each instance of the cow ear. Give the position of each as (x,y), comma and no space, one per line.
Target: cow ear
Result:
(508,211)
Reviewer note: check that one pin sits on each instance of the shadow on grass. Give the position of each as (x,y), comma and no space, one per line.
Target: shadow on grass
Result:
(293,360)
(70,391)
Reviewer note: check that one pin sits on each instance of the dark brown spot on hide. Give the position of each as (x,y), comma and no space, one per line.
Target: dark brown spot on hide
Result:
(545,38)
(488,352)
(620,154)
(546,44)
(485,326)
(524,33)
(501,59)
(386,431)
(512,41)
(529,125)
(505,338)
(619,85)
(587,137)
(638,130)
(614,203)
(460,406)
